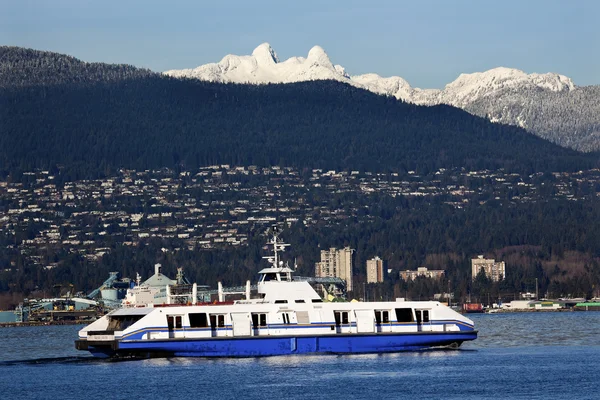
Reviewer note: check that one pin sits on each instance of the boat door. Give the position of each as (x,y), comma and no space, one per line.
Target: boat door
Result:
(241,324)
(365,321)
(423,322)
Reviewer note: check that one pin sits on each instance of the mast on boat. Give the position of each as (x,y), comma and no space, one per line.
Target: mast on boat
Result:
(277,246)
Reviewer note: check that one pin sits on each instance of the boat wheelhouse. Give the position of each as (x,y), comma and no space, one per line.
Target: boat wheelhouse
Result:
(288,317)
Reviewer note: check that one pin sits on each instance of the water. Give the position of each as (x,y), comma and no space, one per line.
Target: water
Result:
(517,356)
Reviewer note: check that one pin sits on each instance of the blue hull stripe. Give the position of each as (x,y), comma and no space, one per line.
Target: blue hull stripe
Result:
(270,346)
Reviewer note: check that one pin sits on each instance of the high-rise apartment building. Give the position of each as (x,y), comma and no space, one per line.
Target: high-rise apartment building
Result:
(375,270)
(336,263)
(495,270)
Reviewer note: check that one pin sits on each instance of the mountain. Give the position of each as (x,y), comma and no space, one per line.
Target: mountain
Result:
(549,105)
(87,124)
(263,66)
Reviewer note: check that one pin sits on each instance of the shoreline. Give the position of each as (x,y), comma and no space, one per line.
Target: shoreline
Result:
(40,323)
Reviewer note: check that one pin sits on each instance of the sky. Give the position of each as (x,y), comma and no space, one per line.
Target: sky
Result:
(427,42)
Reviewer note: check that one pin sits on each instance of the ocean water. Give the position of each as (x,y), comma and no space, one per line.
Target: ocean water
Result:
(517,356)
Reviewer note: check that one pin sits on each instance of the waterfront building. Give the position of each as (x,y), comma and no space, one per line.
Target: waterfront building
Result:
(336,263)
(375,270)
(495,270)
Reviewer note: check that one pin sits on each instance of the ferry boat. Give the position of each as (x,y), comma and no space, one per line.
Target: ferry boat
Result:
(288,318)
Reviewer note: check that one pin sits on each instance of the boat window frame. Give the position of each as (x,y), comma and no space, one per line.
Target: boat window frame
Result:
(122,322)
(217,321)
(382,317)
(259,320)
(341,317)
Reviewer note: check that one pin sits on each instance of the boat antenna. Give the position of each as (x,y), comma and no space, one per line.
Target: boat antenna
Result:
(277,246)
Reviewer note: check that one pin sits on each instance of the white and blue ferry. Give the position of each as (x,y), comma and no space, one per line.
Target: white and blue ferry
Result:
(288,318)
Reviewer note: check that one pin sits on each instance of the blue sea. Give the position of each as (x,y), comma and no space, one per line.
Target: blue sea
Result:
(517,356)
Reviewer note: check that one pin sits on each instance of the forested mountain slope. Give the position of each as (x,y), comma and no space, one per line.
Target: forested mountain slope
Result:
(91,121)
(20,67)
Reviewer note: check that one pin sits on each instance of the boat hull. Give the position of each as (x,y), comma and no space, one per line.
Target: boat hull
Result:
(277,345)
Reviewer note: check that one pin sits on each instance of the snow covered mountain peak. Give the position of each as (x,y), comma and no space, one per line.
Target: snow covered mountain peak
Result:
(265,55)
(263,66)
(317,56)
(470,87)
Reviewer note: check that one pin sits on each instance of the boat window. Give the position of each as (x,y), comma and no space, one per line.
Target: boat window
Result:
(259,320)
(122,322)
(285,317)
(217,320)
(299,301)
(422,316)
(341,317)
(281,301)
(198,320)
(404,315)
(382,316)
(270,277)
(345,317)
(316,301)
(178,323)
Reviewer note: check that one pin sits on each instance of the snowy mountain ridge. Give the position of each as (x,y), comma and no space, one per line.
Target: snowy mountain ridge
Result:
(263,66)
(549,105)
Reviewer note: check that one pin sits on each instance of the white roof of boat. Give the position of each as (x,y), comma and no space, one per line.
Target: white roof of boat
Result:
(273,269)
(132,311)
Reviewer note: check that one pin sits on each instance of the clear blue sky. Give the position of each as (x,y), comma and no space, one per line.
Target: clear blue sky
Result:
(427,42)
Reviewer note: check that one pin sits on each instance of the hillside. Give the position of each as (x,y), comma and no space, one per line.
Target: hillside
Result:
(140,120)
(550,105)
(21,67)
